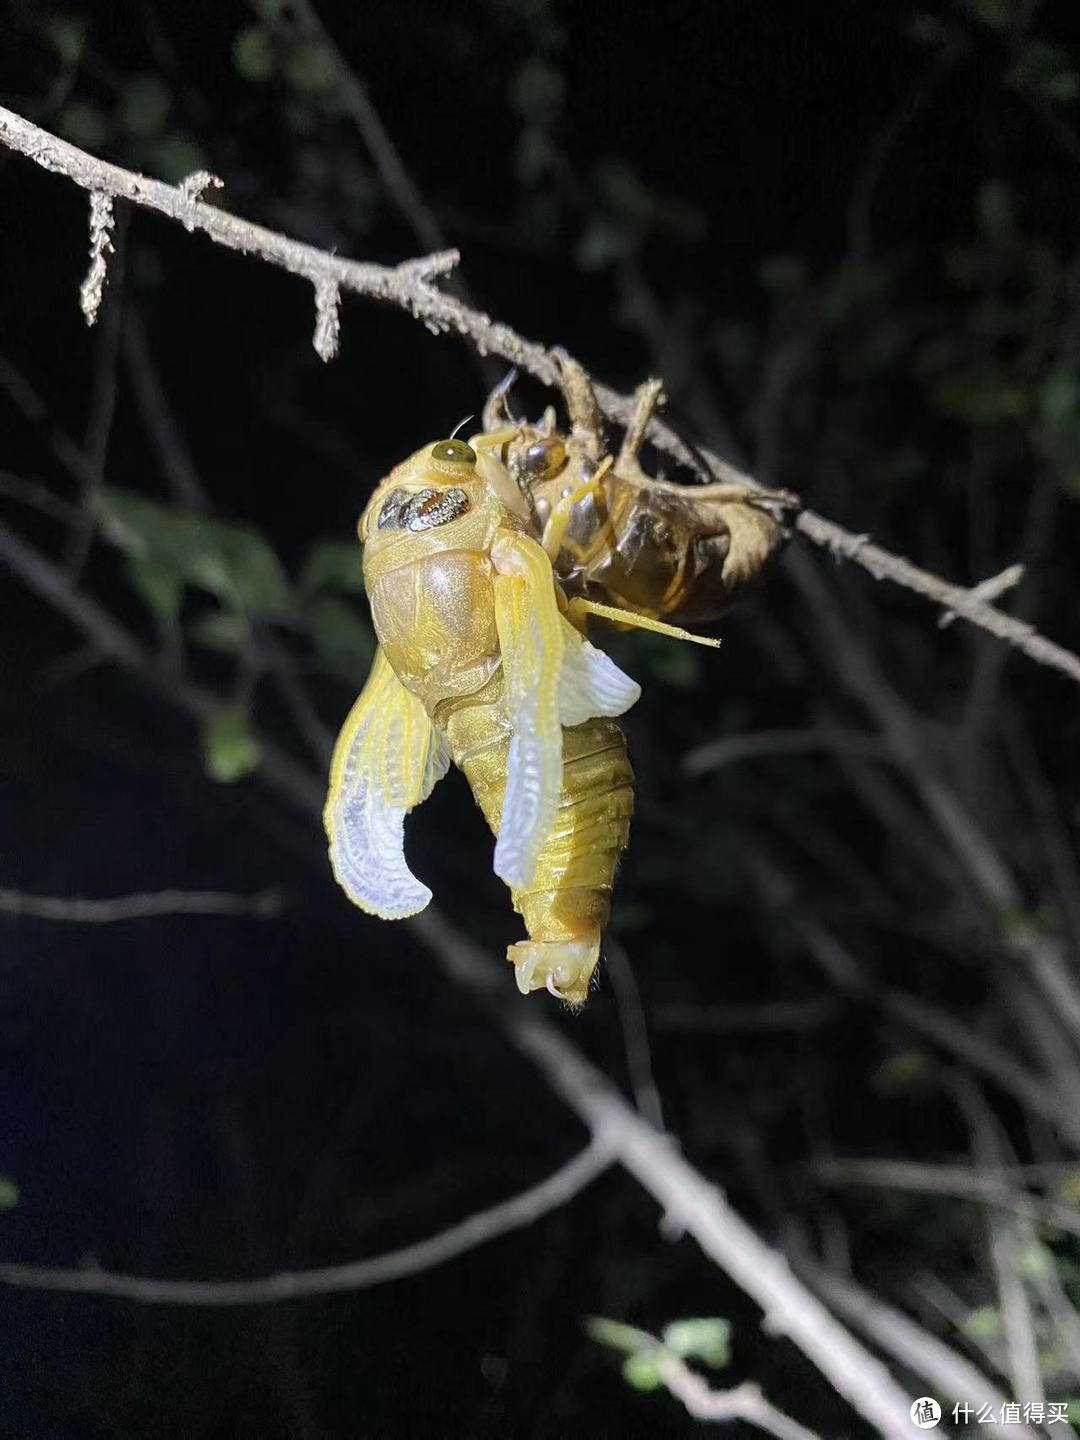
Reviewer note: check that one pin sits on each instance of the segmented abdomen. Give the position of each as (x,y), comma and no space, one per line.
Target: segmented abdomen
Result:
(570,895)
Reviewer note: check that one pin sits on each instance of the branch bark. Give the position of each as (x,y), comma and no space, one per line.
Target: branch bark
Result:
(411,286)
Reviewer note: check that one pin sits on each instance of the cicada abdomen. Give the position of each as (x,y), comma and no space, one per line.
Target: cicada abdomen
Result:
(479,663)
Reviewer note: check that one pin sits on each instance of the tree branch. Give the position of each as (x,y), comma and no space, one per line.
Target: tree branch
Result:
(410,286)
(744,1402)
(79,911)
(514,1214)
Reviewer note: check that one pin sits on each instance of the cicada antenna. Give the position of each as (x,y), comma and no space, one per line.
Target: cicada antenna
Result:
(458,426)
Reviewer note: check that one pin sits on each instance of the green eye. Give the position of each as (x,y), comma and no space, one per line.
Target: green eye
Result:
(455,450)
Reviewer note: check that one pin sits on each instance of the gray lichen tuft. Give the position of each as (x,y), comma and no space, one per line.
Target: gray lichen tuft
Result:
(102,220)
(327,320)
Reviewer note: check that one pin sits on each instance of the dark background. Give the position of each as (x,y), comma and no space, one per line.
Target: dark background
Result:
(845,234)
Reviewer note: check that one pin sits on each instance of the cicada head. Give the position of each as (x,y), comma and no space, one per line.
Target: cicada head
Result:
(432,487)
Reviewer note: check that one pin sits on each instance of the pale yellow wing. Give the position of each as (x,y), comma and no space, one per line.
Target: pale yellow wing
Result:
(387,759)
(530,630)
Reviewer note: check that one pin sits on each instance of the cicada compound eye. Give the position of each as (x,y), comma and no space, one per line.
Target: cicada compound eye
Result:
(456,451)
(543,459)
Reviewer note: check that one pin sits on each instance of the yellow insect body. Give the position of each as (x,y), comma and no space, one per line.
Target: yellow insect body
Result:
(478,663)
(470,554)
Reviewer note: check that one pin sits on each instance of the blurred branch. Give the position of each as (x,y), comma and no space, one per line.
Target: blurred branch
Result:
(959,1181)
(266,905)
(744,1402)
(906,1341)
(400,185)
(1003,1235)
(779,1015)
(733,749)
(635,1030)
(410,285)
(515,1214)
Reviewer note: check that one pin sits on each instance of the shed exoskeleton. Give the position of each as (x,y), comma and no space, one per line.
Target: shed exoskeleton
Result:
(644,544)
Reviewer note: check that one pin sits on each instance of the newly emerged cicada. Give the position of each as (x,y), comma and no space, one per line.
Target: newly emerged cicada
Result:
(482,562)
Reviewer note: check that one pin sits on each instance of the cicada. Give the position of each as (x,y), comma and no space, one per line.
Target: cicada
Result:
(483,561)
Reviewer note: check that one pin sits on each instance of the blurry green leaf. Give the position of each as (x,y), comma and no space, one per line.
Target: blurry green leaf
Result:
(631,915)
(83,125)
(1035,1263)
(1046,69)
(68,35)
(1058,398)
(252,55)
(624,191)
(175,157)
(605,241)
(671,663)
(333,565)
(783,272)
(1018,923)
(905,1069)
(1068,1189)
(640,1371)
(707,1340)
(1064,87)
(536,91)
(994,13)
(535,155)
(233,562)
(617,1336)
(269,9)
(981,398)
(9,1193)
(994,209)
(231,749)
(144,104)
(927,29)
(221,630)
(983,1323)
(342,636)
(310,67)
(160,587)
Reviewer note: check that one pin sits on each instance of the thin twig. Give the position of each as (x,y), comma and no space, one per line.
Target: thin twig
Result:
(903,1338)
(76,910)
(1014,1303)
(744,1402)
(410,285)
(635,1030)
(516,1213)
(958,1181)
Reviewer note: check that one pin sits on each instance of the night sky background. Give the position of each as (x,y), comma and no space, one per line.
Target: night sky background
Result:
(844,235)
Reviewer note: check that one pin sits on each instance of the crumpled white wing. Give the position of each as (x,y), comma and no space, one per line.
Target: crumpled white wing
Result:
(590,683)
(388,758)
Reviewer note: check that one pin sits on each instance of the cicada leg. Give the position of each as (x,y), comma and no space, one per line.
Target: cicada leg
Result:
(647,398)
(562,511)
(586,423)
